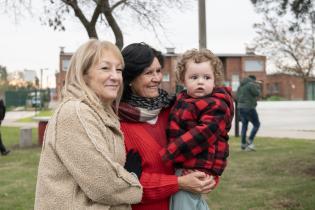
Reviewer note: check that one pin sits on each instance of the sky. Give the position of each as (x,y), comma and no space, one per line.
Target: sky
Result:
(28,44)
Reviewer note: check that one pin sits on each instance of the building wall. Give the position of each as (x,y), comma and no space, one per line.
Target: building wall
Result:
(64,60)
(235,70)
(169,76)
(60,78)
(287,86)
(232,72)
(261,74)
(233,66)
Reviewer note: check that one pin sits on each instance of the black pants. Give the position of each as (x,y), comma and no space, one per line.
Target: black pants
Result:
(249,115)
(2,147)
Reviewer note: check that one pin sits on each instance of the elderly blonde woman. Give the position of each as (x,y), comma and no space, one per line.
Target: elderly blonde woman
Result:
(83,155)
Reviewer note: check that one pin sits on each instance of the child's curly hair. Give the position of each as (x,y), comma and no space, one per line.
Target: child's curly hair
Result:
(200,56)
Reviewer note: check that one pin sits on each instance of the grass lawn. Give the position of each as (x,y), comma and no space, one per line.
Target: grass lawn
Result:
(18,171)
(280,175)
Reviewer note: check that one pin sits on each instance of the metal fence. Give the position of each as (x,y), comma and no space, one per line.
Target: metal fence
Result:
(30,97)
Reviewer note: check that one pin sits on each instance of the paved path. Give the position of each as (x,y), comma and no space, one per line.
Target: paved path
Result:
(12,116)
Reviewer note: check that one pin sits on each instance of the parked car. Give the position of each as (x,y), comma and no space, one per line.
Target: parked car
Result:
(34,99)
(36,102)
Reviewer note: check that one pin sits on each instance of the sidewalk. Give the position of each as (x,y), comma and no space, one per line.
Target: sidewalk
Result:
(12,116)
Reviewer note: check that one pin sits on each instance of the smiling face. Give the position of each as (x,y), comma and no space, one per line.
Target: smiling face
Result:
(105,77)
(199,79)
(147,83)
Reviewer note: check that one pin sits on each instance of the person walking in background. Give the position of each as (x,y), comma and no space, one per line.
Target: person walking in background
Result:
(3,150)
(199,123)
(246,96)
(83,162)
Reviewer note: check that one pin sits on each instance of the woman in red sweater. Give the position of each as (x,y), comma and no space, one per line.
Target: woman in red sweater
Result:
(143,112)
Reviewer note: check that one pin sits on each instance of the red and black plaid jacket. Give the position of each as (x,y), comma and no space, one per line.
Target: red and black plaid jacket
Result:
(198,131)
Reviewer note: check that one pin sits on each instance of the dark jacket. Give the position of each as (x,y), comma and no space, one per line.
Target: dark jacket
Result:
(2,110)
(247,93)
(198,131)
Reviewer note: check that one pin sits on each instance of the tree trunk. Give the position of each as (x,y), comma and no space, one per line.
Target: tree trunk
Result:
(116,29)
(91,32)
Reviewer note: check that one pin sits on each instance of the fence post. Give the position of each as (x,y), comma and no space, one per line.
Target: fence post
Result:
(237,133)
(25,137)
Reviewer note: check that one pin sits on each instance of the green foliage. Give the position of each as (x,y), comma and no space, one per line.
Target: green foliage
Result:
(274,98)
(279,175)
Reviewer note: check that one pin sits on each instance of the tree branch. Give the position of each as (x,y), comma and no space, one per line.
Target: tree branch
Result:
(117,4)
(97,12)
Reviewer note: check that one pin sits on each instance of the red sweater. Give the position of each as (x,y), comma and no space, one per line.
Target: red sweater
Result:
(158,180)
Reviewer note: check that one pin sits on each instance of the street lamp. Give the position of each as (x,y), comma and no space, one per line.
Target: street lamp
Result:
(41,77)
(202,24)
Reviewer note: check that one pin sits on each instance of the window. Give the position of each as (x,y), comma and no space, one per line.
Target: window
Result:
(235,82)
(253,65)
(166,78)
(273,88)
(65,65)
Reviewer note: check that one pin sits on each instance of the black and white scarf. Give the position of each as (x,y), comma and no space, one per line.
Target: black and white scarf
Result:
(141,109)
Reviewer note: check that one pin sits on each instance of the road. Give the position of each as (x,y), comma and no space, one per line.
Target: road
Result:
(285,119)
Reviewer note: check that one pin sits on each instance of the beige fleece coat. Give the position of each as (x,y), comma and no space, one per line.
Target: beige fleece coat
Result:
(81,163)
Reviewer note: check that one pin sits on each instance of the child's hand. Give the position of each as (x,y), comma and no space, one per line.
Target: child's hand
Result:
(197,182)
(187,171)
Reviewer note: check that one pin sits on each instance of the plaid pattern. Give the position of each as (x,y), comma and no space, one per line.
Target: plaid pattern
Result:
(198,131)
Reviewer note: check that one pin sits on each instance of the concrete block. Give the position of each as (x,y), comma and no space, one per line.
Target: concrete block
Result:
(25,137)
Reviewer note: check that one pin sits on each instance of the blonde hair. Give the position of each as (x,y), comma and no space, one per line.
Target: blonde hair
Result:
(87,55)
(200,56)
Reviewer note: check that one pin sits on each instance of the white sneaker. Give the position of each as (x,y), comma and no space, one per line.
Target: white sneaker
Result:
(243,146)
(248,141)
(250,147)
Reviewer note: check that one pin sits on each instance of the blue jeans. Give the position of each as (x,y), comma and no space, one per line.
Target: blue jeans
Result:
(249,115)
(184,200)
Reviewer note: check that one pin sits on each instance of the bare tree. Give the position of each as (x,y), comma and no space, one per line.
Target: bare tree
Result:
(299,8)
(287,35)
(107,12)
(17,8)
(292,51)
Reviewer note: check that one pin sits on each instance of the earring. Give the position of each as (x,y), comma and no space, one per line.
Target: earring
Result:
(130,84)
